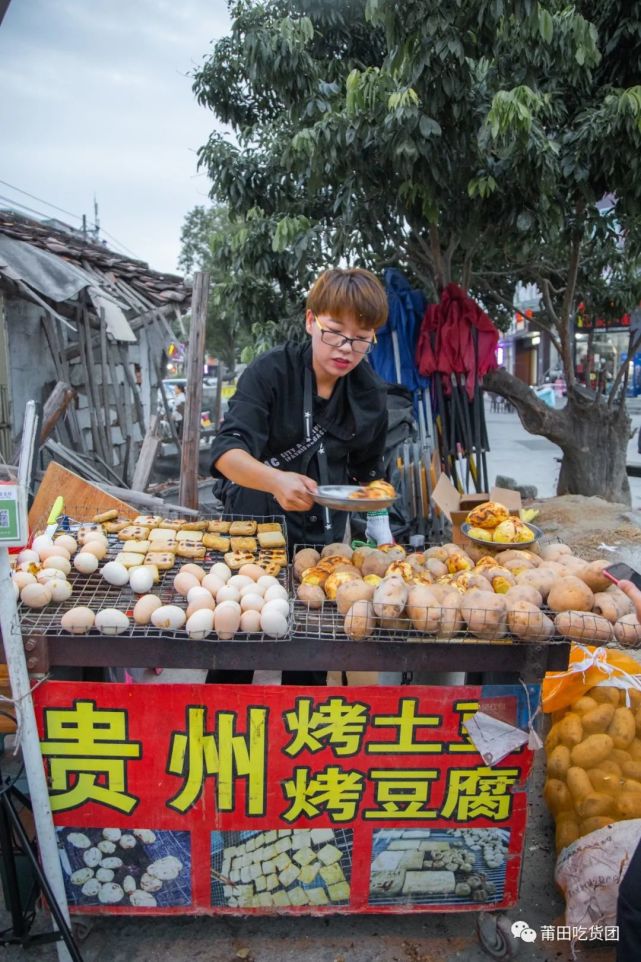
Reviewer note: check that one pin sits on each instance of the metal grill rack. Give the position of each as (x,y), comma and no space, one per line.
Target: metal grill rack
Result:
(342,839)
(494,875)
(92,591)
(174,892)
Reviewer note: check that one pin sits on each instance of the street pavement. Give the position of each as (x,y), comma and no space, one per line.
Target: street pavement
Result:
(530,459)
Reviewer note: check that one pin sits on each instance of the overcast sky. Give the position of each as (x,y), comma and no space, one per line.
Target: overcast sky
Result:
(95,98)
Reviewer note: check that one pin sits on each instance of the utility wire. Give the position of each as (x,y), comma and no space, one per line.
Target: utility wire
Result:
(40,200)
(40,213)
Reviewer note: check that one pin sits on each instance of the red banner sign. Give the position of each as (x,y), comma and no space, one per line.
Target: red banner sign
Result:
(214,798)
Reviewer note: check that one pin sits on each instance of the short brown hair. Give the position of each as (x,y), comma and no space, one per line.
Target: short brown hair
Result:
(353,291)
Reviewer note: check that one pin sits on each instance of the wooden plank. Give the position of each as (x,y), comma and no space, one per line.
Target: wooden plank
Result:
(54,340)
(132,384)
(55,406)
(82,499)
(194,392)
(85,365)
(112,459)
(122,410)
(147,455)
(95,406)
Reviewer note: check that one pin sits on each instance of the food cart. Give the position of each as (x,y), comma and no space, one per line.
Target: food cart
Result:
(234,799)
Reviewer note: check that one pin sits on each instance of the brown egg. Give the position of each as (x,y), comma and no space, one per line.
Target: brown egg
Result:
(78,620)
(53,551)
(252,571)
(201,603)
(144,608)
(184,581)
(226,621)
(250,621)
(97,548)
(195,570)
(35,596)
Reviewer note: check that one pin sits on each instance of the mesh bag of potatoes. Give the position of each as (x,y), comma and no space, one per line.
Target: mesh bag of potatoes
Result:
(593,747)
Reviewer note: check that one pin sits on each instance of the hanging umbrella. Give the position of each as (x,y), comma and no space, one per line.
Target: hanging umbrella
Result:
(456,346)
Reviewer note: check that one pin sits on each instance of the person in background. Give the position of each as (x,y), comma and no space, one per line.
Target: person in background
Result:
(629,901)
(179,408)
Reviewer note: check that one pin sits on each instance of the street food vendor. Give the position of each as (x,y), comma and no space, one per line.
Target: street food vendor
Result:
(308,414)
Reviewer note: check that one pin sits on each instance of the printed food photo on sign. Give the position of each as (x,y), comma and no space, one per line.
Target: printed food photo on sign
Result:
(440,866)
(126,867)
(283,867)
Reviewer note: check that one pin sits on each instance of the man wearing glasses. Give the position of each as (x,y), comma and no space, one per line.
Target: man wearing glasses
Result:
(309,414)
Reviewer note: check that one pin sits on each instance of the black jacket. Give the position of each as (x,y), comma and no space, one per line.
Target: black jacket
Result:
(265,418)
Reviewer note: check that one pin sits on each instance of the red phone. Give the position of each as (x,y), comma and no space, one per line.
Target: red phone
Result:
(622,572)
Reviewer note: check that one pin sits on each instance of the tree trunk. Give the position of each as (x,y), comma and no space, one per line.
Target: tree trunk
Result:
(593,437)
(595,453)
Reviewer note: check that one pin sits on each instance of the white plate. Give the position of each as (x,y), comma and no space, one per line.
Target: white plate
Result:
(337,496)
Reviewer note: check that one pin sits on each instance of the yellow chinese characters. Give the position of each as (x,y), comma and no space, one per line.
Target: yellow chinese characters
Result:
(88,749)
(479,793)
(403,793)
(333,791)
(406,741)
(336,722)
(225,754)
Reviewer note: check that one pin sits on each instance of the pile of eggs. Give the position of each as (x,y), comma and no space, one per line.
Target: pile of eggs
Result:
(217,601)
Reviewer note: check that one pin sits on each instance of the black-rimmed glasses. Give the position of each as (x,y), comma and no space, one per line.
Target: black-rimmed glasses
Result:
(360,345)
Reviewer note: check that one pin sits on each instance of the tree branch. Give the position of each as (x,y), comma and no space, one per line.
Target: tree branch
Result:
(440,277)
(535,416)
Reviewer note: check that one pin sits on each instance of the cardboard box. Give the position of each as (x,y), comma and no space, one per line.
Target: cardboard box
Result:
(456,506)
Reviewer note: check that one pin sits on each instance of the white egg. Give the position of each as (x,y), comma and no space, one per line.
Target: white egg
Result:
(85,563)
(230,604)
(250,621)
(198,592)
(59,562)
(115,573)
(141,579)
(273,623)
(277,604)
(78,620)
(28,556)
(251,602)
(110,621)
(60,589)
(227,593)
(49,574)
(221,571)
(266,581)
(168,616)
(275,591)
(252,589)
(66,541)
(200,624)
(35,596)
(239,581)
(144,608)
(42,541)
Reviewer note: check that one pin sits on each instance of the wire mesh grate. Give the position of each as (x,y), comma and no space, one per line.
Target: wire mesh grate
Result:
(443,623)
(456,860)
(93,592)
(281,867)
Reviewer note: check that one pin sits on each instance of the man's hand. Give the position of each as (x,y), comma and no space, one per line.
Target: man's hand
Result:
(294,491)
